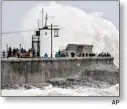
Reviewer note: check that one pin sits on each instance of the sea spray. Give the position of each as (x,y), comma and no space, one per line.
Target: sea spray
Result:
(76,26)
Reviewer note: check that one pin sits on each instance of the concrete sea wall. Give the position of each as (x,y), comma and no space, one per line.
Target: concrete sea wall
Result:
(38,70)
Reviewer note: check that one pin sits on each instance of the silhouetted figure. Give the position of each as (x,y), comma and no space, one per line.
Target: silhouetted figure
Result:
(45,55)
(17,50)
(29,50)
(89,54)
(14,52)
(56,55)
(108,54)
(86,54)
(10,52)
(33,52)
(66,54)
(72,54)
(22,50)
(18,55)
(3,53)
(104,55)
(38,54)
(59,52)
(83,54)
(62,55)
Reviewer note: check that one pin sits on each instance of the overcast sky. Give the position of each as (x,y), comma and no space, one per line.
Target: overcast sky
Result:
(13,13)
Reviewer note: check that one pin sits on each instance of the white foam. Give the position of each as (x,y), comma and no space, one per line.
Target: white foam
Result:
(54,91)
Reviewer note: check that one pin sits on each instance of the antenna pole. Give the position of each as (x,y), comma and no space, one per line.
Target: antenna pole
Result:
(38,24)
(42,17)
(46,18)
(6,47)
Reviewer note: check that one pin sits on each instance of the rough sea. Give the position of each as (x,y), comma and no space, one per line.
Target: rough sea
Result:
(57,91)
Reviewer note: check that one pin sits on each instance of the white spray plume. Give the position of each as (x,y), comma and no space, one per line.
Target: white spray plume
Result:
(76,26)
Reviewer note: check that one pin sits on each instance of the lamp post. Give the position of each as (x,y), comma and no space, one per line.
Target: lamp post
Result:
(51,41)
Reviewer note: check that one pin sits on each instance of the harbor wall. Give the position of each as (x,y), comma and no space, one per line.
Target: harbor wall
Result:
(38,70)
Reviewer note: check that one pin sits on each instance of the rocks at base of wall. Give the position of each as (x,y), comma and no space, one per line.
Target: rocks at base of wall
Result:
(99,77)
(25,86)
(10,86)
(73,83)
(104,73)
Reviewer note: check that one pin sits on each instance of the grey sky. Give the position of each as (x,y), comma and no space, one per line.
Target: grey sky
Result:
(13,13)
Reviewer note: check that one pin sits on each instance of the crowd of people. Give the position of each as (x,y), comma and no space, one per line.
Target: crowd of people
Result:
(61,54)
(22,53)
(87,54)
(104,54)
(16,52)
(72,54)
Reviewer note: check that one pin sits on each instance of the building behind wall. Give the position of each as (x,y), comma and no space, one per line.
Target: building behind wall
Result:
(78,49)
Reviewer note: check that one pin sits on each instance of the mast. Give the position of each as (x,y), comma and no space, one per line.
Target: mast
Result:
(42,17)
(46,18)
